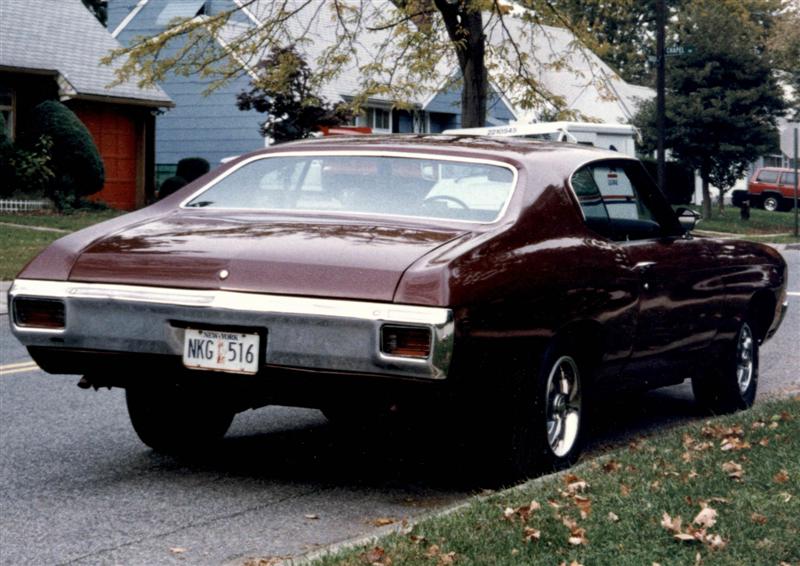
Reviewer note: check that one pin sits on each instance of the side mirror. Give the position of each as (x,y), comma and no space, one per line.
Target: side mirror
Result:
(688,218)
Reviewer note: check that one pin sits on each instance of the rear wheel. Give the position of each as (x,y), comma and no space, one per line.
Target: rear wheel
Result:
(546,419)
(773,203)
(177,419)
(731,385)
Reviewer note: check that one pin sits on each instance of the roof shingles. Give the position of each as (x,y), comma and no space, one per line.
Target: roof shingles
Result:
(62,36)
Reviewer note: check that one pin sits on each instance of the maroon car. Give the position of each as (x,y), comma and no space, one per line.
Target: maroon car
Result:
(505,283)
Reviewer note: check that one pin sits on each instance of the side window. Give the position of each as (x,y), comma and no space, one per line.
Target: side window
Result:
(787,179)
(767,176)
(617,201)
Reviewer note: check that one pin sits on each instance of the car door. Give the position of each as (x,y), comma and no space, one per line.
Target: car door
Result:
(681,295)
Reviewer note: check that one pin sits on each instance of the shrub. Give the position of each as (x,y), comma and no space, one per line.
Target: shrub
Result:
(191,168)
(170,185)
(24,171)
(76,163)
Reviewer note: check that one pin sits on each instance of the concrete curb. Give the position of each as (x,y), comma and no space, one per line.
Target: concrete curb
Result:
(4,286)
(405,526)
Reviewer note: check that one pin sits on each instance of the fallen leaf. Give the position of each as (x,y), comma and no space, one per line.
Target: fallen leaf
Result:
(577,541)
(764,442)
(383,521)
(416,539)
(786,497)
(758,518)
(611,466)
(706,518)
(508,513)
(772,426)
(613,517)
(514,552)
(671,524)
(715,541)
(311,517)
(577,487)
(532,534)
(624,490)
(433,550)
(733,470)
(584,505)
(177,550)
(685,537)
(781,477)
(377,556)
(447,559)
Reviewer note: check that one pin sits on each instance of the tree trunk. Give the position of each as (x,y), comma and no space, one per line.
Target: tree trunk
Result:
(721,202)
(465,29)
(706,197)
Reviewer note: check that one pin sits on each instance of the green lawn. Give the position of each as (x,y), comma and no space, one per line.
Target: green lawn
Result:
(761,222)
(720,492)
(20,245)
(70,222)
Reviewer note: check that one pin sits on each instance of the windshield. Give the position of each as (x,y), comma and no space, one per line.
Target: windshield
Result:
(398,186)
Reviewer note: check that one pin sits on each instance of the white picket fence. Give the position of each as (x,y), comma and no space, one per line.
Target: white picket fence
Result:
(7,205)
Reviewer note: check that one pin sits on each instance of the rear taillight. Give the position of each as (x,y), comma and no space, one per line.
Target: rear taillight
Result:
(39,313)
(406,341)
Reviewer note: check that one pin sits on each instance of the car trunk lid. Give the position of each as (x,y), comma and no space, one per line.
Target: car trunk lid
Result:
(350,259)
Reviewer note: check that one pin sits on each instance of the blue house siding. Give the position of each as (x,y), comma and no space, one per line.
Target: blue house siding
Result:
(448,103)
(211,127)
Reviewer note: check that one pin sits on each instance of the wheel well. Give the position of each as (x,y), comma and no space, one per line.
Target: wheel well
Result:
(586,337)
(775,194)
(761,312)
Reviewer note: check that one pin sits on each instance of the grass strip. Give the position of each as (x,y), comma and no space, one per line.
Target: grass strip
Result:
(71,222)
(20,245)
(722,492)
(760,222)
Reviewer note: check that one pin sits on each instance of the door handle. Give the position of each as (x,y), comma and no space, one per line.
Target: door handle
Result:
(643,267)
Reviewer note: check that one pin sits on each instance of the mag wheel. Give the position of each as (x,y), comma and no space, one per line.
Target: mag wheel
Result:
(732,384)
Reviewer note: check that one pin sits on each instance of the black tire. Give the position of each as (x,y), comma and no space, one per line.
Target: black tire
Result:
(772,203)
(543,422)
(731,384)
(177,419)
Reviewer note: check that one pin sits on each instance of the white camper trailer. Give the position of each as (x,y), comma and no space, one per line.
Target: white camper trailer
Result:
(618,137)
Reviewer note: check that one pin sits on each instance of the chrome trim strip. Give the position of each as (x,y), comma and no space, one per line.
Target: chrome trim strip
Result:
(315,334)
(232,300)
(362,153)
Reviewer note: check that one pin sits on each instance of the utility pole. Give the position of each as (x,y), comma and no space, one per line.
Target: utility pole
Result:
(661,22)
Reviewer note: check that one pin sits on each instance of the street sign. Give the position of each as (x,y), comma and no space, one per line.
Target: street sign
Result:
(677,50)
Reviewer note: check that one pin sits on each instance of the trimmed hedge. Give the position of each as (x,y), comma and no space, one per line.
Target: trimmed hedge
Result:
(191,168)
(170,185)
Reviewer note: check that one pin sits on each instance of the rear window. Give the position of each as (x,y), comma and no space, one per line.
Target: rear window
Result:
(768,176)
(472,191)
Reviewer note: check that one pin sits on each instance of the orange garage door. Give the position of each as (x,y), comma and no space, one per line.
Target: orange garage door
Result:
(114,133)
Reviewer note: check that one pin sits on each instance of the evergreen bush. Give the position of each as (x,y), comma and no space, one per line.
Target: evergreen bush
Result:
(191,168)
(170,185)
(77,167)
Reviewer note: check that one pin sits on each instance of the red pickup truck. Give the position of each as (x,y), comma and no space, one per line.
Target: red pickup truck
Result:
(772,188)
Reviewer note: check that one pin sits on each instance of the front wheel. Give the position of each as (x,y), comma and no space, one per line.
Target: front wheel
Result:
(177,419)
(731,385)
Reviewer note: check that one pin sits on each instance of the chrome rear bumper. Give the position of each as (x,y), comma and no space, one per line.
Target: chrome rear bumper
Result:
(301,332)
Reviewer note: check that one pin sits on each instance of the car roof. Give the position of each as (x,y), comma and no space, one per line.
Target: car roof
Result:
(507,148)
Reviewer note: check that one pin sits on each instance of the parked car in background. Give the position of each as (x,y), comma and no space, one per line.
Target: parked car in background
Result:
(505,285)
(772,188)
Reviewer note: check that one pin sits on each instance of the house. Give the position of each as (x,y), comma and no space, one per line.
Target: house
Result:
(212,127)
(51,51)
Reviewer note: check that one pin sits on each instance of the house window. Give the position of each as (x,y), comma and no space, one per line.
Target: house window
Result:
(7,103)
(379,119)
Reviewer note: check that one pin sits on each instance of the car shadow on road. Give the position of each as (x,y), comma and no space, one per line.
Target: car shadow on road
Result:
(285,445)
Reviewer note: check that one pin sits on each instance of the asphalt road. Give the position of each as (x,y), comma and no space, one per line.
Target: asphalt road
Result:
(77,487)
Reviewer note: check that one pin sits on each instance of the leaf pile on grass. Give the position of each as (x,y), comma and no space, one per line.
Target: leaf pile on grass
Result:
(723,491)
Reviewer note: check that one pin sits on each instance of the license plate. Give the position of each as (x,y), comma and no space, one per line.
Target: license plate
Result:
(219,350)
